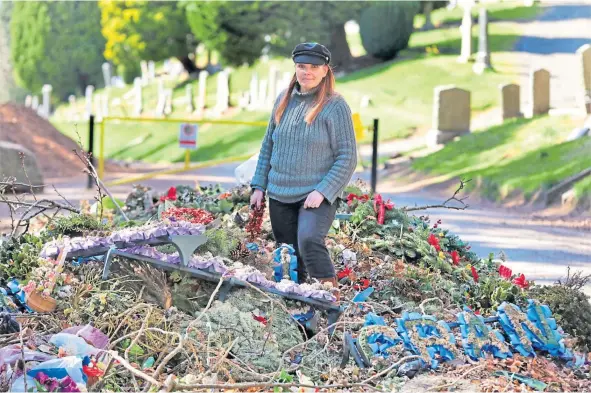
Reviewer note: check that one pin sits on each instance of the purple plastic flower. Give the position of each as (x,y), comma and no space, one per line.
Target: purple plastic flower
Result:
(41,377)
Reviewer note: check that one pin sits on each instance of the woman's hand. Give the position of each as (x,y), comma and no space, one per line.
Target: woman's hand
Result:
(256,199)
(313,200)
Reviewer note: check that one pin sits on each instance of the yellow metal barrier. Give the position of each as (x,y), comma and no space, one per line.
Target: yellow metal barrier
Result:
(357,124)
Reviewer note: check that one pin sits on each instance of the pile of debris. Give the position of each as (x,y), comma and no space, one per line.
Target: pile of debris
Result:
(187,290)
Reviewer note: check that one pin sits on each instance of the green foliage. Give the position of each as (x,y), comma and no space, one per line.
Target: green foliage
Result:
(491,292)
(220,242)
(57,43)
(571,309)
(385,28)
(143,30)
(74,225)
(19,256)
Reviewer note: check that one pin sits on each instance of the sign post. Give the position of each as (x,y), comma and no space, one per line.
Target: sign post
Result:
(188,140)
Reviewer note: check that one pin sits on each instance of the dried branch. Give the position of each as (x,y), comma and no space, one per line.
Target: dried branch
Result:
(22,157)
(391,367)
(133,370)
(266,385)
(445,205)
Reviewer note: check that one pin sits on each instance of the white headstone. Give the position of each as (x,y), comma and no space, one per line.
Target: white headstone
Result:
(28,101)
(584,54)
(88,97)
(189,98)
(138,101)
(35,103)
(202,91)
(466,34)
(168,102)
(273,82)
(105,103)
(145,76)
(223,92)
(151,70)
(46,103)
(107,74)
(451,114)
(262,93)
(254,90)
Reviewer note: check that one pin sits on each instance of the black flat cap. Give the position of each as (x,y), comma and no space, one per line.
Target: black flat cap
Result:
(311,53)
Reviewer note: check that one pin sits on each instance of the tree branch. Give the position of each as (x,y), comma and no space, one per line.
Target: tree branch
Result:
(445,205)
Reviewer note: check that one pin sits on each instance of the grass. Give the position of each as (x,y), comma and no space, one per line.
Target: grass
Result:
(401,92)
(506,10)
(214,141)
(521,155)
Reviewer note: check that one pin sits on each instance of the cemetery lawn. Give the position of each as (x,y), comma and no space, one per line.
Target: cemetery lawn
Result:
(401,93)
(521,156)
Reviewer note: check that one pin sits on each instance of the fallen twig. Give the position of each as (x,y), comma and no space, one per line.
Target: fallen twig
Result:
(445,205)
(266,385)
(447,385)
(391,367)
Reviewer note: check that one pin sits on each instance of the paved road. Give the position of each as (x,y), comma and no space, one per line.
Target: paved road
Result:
(550,42)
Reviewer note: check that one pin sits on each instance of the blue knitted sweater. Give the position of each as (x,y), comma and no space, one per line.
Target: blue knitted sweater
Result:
(296,158)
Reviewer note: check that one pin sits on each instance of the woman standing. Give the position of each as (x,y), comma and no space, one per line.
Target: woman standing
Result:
(307,158)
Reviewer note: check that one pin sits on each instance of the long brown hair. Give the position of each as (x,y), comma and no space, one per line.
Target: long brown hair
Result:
(325,91)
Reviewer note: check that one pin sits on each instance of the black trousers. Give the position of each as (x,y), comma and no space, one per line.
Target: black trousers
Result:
(305,230)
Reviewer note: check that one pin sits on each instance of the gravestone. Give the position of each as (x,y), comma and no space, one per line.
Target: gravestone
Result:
(427,12)
(138,102)
(35,103)
(540,92)
(584,53)
(73,112)
(254,91)
(168,102)
(466,33)
(151,70)
(145,74)
(273,83)
(202,91)
(510,100)
(223,92)
(189,98)
(46,102)
(107,74)
(262,93)
(451,114)
(28,101)
(88,99)
(483,55)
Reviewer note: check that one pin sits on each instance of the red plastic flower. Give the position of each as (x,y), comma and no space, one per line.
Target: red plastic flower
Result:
(521,282)
(170,195)
(474,273)
(362,198)
(346,272)
(434,241)
(260,319)
(505,272)
(193,215)
(455,257)
(380,208)
(363,284)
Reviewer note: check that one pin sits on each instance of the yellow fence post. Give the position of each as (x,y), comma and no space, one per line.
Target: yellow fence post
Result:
(187,158)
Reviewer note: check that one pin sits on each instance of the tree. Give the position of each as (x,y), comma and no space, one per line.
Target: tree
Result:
(240,30)
(59,43)
(145,30)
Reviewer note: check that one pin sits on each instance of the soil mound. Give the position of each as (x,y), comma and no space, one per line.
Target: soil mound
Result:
(54,151)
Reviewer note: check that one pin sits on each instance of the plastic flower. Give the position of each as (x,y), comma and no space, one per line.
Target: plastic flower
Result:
(434,241)
(474,273)
(170,195)
(505,272)
(41,377)
(441,255)
(455,257)
(521,282)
